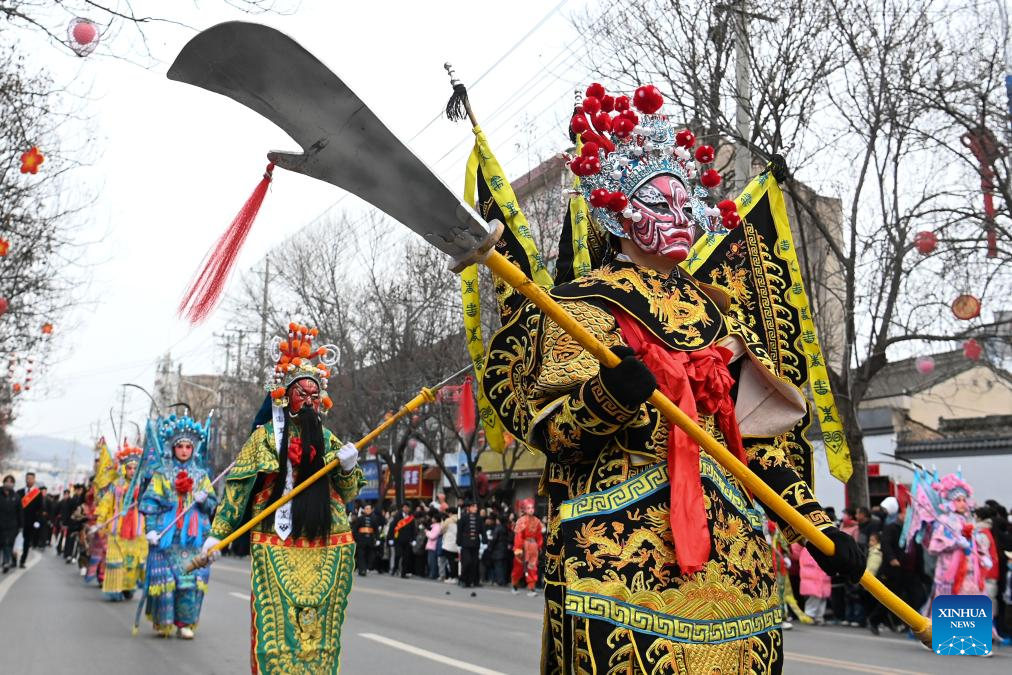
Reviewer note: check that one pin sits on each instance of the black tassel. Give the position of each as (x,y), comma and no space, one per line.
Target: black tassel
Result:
(456,109)
(779,169)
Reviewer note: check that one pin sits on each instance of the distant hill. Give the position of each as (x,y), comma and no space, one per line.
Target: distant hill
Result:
(49,449)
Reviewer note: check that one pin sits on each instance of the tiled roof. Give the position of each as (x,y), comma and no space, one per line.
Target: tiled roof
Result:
(902,377)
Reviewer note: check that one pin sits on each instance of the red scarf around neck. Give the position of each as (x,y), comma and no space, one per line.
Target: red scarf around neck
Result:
(698,383)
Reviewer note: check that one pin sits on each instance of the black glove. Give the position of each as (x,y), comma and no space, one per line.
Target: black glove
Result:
(848,561)
(630,383)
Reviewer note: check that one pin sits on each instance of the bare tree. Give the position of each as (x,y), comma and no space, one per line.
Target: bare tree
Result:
(38,226)
(391,309)
(869,100)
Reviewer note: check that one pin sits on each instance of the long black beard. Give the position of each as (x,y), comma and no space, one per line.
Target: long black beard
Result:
(310,509)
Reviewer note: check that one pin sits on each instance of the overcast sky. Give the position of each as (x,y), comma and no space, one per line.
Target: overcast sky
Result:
(172,163)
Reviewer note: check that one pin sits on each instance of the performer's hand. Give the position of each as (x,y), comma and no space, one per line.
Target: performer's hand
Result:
(93,529)
(199,496)
(519,553)
(37,525)
(630,383)
(848,560)
(209,544)
(894,563)
(348,455)
(152,538)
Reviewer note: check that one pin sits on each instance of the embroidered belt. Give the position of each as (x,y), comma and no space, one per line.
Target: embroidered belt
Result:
(271,539)
(674,628)
(653,479)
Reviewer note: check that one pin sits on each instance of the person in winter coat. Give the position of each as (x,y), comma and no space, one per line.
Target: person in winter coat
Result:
(433,534)
(470,537)
(10,522)
(450,548)
(404,532)
(815,585)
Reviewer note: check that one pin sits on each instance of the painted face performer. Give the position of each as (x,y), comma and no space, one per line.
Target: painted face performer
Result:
(174,596)
(656,557)
(527,542)
(126,547)
(962,553)
(303,557)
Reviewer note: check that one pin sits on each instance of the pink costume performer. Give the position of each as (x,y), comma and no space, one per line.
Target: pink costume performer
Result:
(961,558)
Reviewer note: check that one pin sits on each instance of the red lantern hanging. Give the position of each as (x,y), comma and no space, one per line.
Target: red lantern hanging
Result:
(31,160)
(972,349)
(47,328)
(925,365)
(4,306)
(5,246)
(925,242)
(82,36)
(966,307)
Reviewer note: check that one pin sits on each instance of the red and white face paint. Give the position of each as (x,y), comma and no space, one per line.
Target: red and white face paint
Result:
(666,227)
(303,392)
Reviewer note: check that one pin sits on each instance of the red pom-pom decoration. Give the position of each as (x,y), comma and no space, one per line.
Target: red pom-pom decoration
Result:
(602,122)
(593,165)
(704,154)
(589,149)
(579,124)
(648,99)
(622,127)
(591,105)
(631,116)
(617,202)
(731,219)
(710,178)
(596,90)
(972,349)
(621,103)
(727,205)
(607,103)
(926,242)
(598,199)
(685,138)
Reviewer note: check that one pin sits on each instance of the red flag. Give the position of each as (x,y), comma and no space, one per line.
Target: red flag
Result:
(466,408)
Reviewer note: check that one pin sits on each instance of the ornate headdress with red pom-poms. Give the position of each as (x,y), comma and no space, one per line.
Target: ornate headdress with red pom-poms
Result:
(626,143)
(294,360)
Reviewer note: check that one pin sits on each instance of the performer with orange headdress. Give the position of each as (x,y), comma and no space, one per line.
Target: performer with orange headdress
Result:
(118,517)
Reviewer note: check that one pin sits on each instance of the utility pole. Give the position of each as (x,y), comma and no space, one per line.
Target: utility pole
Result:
(262,356)
(743,112)
(743,90)
(122,407)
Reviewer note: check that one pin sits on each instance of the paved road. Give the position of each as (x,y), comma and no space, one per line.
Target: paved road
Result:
(51,624)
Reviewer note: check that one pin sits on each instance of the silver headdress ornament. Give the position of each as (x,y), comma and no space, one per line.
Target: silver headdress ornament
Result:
(294,360)
(624,149)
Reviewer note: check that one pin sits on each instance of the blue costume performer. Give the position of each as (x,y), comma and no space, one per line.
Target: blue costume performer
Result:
(174,596)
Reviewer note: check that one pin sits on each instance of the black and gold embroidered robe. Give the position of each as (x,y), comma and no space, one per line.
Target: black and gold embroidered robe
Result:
(616,600)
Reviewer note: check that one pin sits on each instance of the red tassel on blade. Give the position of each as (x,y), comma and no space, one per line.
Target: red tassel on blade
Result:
(209,282)
(466,409)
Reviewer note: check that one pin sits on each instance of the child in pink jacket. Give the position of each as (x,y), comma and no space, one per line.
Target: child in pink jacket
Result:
(815,585)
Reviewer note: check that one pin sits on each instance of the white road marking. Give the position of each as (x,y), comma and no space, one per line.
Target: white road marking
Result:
(241,596)
(16,573)
(432,656)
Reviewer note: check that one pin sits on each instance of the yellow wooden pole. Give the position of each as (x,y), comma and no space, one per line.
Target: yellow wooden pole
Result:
(515,277)
(426,395)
